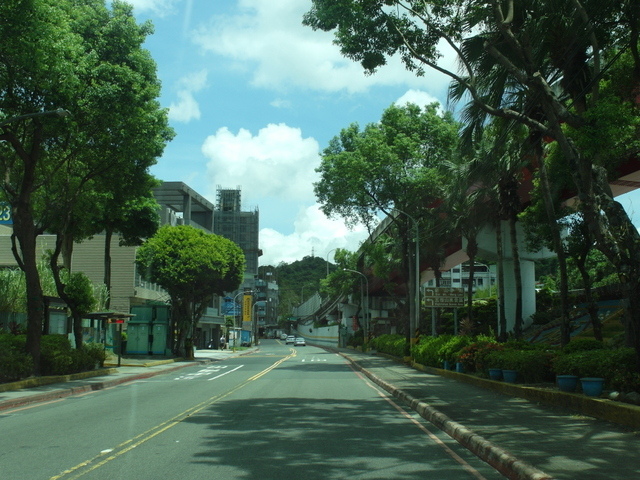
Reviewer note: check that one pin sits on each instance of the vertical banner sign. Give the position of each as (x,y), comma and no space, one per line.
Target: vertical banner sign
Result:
(246,308)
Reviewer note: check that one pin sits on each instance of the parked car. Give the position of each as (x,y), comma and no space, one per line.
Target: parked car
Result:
(299,342)
(290,339)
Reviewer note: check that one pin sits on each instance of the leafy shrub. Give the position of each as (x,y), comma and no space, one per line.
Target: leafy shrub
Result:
(427,350)
(81,361)
(390,344)
(533,365)
(449,351)
(484,314)
(474,356)
(514,344)
(582,345)
(625,381)
(605,363)
(55,355)
(97,353)
(15,362)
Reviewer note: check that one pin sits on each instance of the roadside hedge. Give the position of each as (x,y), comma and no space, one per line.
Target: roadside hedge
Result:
(604,362)
(390,344)
(534,363)
(15,363)
(57,357)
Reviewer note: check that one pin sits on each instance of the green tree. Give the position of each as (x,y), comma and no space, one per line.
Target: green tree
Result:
(134,217)
(551,85)
(192,266)
(36,76)
(102,181)
(389,168)
(467,206)
(79,297)
(87,60)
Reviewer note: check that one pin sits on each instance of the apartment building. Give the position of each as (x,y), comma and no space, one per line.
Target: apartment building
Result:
(484,276)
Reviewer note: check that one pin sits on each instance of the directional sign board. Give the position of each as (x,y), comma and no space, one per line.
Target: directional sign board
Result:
(444,297)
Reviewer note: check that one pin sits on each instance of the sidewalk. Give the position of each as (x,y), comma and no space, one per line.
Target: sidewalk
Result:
(523,439)
(44,389)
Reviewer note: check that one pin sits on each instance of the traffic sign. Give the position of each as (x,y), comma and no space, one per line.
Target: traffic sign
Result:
(444,297)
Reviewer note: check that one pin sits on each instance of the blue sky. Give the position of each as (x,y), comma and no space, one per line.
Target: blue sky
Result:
(254,97)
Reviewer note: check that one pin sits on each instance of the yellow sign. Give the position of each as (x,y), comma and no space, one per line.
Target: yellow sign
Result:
(246,307)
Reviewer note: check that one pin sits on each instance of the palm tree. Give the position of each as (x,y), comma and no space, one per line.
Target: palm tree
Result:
(468,208)
(498,167)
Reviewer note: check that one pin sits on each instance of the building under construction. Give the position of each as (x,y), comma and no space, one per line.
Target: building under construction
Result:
(242,227)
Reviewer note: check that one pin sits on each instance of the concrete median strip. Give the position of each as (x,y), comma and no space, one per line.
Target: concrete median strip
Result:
(498,458)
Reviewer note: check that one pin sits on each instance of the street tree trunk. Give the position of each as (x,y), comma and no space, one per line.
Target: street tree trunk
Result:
(502,326)
(24,232)
(472,250)
(107,266)
(24,235)
(517,274)
(565,333)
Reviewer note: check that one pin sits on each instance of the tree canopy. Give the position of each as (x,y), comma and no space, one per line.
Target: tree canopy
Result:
(391,168)
(192,266)
(86,61)
(544,64)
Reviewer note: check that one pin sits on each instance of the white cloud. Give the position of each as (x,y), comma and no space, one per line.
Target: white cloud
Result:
(276,163)
(417,97)
(284,53)
(280,103)
(195,81)
(187,107)
(158,7)
(314,234)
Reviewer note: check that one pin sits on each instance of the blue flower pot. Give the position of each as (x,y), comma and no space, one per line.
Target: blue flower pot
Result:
(459,367)
(567,383)
(592,386)
(509,376)
(495,374)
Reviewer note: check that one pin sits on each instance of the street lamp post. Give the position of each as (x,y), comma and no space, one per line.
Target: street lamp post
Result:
(366,306)
(416,313)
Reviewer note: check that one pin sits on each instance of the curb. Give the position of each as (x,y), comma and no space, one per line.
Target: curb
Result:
(48,380)
(503,461)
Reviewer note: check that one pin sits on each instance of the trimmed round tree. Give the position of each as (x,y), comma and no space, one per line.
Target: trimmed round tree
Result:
(192,266)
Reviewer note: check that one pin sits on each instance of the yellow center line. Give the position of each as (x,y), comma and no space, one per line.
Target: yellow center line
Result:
(128,445)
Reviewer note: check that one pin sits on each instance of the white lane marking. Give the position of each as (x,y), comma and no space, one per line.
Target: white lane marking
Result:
(315,359)
(202,372)
(225,373)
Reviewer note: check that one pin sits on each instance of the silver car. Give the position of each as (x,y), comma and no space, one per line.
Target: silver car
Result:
(299,342)
(290,339)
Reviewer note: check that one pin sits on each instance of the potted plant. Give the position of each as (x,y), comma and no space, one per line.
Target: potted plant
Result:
(592,386)
(567,383)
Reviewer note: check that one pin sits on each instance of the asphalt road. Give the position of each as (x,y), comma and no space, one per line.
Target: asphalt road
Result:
(281,413)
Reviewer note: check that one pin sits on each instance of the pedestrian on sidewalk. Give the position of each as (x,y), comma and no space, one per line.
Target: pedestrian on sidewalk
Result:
(222,342)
